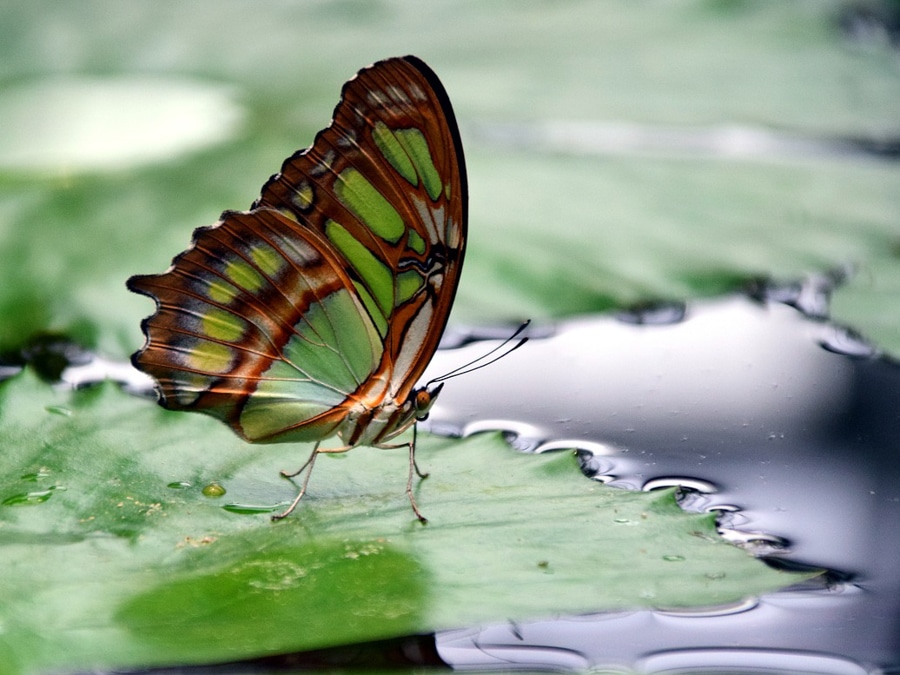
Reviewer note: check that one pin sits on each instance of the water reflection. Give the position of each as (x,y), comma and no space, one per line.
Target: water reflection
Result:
(729,640)
(730,366)
(782,422)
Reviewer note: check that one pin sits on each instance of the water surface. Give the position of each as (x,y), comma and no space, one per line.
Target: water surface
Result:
(786,424)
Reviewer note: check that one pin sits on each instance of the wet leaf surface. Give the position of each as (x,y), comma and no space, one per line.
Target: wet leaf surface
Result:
(128,563)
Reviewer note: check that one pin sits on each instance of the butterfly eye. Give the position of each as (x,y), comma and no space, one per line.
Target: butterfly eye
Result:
(423,403)
(424,399)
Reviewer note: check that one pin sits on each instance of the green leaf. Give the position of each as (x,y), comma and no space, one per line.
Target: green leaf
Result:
(114,556)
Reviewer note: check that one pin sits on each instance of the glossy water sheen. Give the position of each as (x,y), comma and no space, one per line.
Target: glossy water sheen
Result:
(785,424)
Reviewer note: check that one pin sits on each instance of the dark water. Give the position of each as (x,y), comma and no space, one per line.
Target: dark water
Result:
(786,424)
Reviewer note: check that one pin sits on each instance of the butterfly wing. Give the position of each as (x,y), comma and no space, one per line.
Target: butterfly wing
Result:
(259,325)
(386,184)
(337,283)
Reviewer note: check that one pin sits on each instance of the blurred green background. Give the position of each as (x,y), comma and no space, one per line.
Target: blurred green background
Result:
(617,152)
(127,124)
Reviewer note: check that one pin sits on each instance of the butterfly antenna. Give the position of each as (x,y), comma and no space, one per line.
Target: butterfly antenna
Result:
(472,366)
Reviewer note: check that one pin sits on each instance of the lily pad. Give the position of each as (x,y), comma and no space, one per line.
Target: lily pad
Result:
(115,555)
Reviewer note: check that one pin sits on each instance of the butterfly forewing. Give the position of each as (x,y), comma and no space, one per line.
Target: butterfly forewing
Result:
(335,287)
(386,184)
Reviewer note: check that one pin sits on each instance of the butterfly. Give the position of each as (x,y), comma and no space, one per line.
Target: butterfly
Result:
(314,314)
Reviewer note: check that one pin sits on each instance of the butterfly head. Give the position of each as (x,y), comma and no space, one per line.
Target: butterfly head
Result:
(424,397)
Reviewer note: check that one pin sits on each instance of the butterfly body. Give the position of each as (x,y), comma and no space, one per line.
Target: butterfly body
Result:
(315,313)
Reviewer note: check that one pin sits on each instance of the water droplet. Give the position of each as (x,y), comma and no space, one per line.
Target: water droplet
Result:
(758,543)
(694,484)
(673,558)
(811,295)
(31,498)
(250,509)
(846,341)
(730,508)
(591,465)
(180,485)
(36,476)
(521,436)
(738,607)
(584,448)
(213,490)
(59,410)
(654,313)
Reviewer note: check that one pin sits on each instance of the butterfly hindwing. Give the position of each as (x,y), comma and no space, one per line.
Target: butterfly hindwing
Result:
(333,290)
(256,308)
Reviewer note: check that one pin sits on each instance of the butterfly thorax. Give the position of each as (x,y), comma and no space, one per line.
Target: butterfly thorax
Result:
(375,422)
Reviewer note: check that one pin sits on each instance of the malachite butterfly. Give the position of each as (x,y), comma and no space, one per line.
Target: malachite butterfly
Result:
(315,313)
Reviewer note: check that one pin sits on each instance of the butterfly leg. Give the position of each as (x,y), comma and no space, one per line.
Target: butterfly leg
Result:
(413,454)
(296,473)
(413,467)
(308,465)
(413,470)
